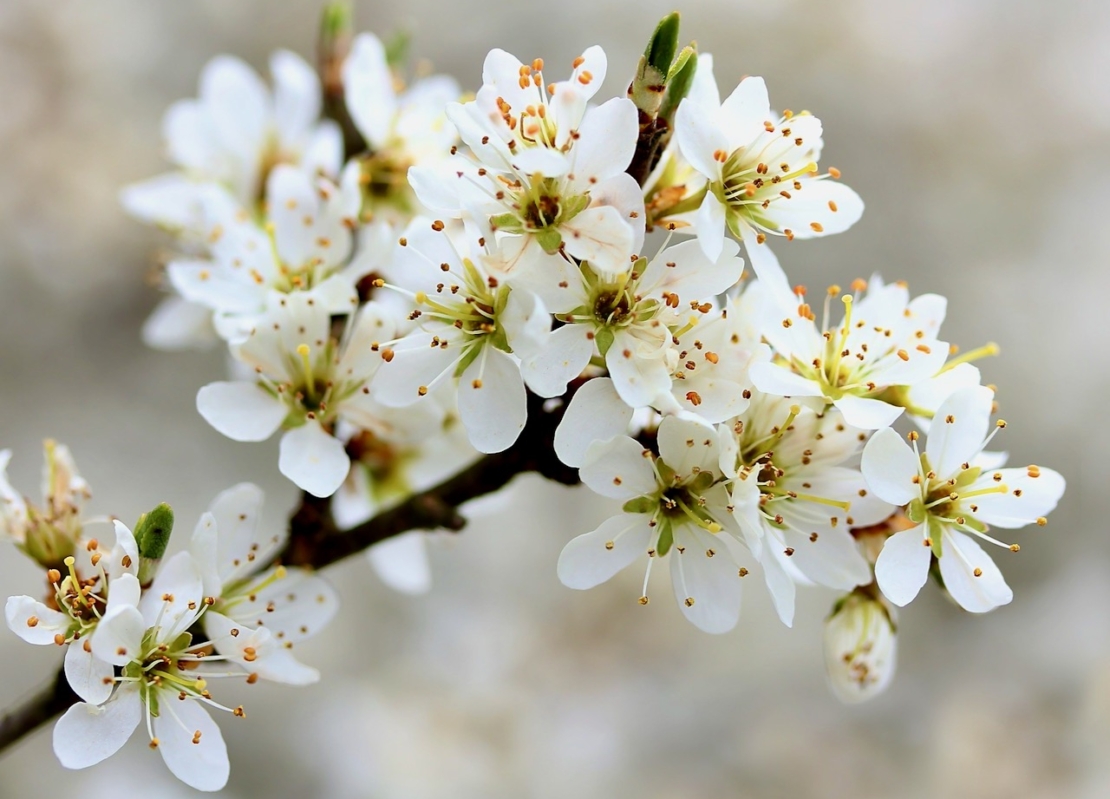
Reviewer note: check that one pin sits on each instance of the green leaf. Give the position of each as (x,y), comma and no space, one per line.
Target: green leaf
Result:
(663,43)
(679,81)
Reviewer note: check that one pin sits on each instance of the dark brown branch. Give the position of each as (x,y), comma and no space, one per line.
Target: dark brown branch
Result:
(51,701)
(315,542)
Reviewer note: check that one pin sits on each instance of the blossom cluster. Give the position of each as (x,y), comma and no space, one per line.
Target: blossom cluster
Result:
(145,640)
(391,292)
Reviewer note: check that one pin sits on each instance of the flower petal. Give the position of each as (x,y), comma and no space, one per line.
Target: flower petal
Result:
(119,636)
(190,742)
(493,405)
(402,563)
(867,414)
(88,734)
(594,557)
(368,87)
(313,459)
(91,678)
(961,558)
(241,411)
(596,413)
(770,378)
(889,467)
(903,565)
(1027,499)
(706,580)
(33,621)
(618,469)
(958,429)
(699,138)
(601,235)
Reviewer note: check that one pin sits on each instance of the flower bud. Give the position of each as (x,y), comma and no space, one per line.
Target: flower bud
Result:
(152,534)
(860,649)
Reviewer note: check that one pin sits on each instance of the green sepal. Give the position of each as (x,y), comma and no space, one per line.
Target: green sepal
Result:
(573,206)
(701,483)
(916,512)
(666,538)
(936,533)
(666,473)
(468,358)
(152,535)
(550,239)
(337,20)
(640,505)
(604,340)
(506,222)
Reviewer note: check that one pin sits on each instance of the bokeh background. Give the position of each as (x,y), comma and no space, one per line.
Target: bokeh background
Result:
(978,133)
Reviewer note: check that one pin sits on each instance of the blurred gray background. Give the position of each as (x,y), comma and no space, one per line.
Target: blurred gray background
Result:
(976,132)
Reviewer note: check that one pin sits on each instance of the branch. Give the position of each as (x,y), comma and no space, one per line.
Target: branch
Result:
(37,710)
(315,542)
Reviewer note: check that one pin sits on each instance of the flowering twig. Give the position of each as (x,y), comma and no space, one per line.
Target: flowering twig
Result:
(316,542)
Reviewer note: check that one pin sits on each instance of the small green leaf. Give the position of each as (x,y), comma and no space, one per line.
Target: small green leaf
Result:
(679,81)
(663,43)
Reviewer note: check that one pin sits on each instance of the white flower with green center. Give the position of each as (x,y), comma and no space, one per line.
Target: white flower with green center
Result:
(631,322)
(884,341)
(953,495)
(545,174)
(46,533)
(304,244)
(676,504)
(234,554)
(795,496)
(762,174)
(860,646)
(233,135)
(82,594)
(306,381)
(469,327)
(401,128)
(161,679)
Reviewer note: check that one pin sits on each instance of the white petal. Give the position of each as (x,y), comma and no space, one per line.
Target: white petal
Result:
(243,543)
(903,565)
(313,459)
(953,443)
(33,621)
(368,87)
(174,600)
(124,591)
(764,262)
(961,557)
(241,411)
(562,358)
(493,405)
(402,563)
(1026,500)
(812,206)
(618,469)
(600,235)
(639,371)
(699,138)
(238,104)
(688,445)
(124,557)
(867,414)
(706,580)
(296,96)
(90,677)
(745,110)
(889,467)
(417,365)
(606,141)
(710,224)
(202,765)
(179,325)
(594,557)
(88,734)
(780,584)
(293,607)
(770,378)
(596,413)
(294,210)
(119,636)
(833,559)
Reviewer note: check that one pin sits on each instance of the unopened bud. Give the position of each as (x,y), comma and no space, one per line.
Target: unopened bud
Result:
(152,534)
(860,648)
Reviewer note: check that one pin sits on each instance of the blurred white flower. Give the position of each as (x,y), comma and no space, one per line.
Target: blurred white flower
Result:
(953,495)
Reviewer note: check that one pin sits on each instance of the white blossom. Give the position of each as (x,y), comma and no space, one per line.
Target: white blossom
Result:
(306,381)
(676,504)
(885,340)
(762,174)
(545,175)
(953,496)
